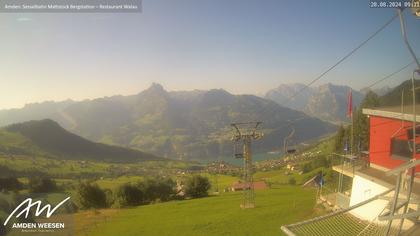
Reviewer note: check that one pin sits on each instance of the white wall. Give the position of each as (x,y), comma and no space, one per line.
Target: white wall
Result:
(362,190)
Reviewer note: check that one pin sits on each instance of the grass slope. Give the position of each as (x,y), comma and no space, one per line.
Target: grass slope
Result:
(27,166)
(217,215)
(49,137)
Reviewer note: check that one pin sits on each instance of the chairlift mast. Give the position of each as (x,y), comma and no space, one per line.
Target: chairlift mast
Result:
(245,133)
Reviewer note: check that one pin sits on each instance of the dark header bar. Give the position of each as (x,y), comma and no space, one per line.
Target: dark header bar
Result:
(70,6)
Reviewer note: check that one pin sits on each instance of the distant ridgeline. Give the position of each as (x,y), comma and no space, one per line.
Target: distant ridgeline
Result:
(182,125)
(47,138)
(327,102)
(393,98)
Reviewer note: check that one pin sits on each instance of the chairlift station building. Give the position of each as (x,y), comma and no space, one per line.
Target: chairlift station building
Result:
(390,146)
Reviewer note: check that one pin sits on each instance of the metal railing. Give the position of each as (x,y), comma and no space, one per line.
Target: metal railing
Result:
(336,223)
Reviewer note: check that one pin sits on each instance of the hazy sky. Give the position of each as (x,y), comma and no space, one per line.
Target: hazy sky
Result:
(244,46)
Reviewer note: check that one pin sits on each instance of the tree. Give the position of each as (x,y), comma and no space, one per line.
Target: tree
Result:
(91,196)
(339,139)
(306,168)
(129,195)
(3,229)
(197,186)
(42,185)
(158,189)
(109,196)
(371,100)
(10,184)
(361,122)
(166,189)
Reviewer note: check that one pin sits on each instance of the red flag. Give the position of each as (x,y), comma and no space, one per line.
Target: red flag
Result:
(349,104)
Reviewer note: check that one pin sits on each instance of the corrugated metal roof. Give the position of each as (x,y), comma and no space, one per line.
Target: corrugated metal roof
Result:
(395,112)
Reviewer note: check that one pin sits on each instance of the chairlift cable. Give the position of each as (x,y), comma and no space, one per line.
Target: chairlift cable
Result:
(343,58)
(390,75)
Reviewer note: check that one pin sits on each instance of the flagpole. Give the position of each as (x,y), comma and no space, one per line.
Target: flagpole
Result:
(350,112)
(352,132)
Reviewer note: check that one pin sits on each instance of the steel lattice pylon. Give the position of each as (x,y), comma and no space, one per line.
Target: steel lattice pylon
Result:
(245,133)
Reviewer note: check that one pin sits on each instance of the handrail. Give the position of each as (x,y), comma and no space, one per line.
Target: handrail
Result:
(376,197)
(405,166)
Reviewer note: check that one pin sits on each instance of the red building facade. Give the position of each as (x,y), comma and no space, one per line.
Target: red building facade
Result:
(387,124)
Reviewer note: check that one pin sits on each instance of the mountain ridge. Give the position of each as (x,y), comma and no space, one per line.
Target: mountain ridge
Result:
(48,138)
(181,124)
(326,102)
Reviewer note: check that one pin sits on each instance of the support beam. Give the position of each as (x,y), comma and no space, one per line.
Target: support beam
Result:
(385,215)
(394,203)
(409,164)
(401,216)
(287,231)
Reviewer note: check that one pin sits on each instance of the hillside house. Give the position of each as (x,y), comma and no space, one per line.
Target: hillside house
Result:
(239,186)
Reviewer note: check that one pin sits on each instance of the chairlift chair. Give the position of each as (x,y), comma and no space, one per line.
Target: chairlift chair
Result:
(289,149)
(238,149)
(403,140)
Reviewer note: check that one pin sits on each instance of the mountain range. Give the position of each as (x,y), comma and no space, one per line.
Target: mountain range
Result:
(379,91)
(327,102)
(184,124)
(401,94)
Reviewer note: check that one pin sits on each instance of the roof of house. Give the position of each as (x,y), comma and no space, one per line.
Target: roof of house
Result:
(395,112)
(257,185)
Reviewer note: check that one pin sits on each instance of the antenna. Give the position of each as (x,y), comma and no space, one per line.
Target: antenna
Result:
(246,132)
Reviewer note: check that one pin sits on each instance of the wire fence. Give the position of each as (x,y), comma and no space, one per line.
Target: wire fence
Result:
(344,222)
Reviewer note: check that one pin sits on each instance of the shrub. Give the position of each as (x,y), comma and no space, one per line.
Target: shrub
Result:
(109,196)
(292,181)
(3,230)
(158,189)
(4,205)
(91,196)
(306,168)
(197,186)
(129,195)
(42,185)
(10,184)
(165,189)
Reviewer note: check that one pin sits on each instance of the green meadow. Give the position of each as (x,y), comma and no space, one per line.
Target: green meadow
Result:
(219,214)
(215,215)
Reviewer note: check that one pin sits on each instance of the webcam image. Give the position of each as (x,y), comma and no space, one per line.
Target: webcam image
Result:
(209,117)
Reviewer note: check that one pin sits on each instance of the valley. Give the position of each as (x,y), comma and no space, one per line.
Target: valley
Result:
(183,125)
(139,191)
